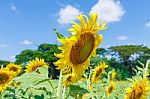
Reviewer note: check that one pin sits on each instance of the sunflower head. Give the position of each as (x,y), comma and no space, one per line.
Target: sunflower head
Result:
(34,64)
(5,78)
(87,38)
(79,47)
(113,74)
(98,71)
(138,90)
(71,78)
(110,88)
(68,80)
(14,68)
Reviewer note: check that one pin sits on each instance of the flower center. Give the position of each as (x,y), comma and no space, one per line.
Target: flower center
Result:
(13,69)
(82,49)
(69,79)
(98,72)
(110,89)
(3,78)
(139,93)
(136,93)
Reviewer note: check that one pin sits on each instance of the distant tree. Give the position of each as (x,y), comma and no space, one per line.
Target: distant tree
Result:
(24,57)
(128,54)
(48,54)
(4,63)
(101,52)
(44,51)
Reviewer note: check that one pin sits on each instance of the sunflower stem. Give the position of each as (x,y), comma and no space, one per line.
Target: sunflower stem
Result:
(64,92)
(1,95)
(52,87)
(88,79)
(108,77)
(104,95)
(146,68)
(59,90)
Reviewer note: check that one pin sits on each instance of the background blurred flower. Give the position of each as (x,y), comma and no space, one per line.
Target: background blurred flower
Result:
(14,68)
(34,64)
(5,78)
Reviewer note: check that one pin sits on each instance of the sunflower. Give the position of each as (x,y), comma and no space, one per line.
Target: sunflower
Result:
(5,78)
(110,88)
(68,80)
(34,64)
(80,46)
(113,74)
(98,71)
(138,90)
(14,68)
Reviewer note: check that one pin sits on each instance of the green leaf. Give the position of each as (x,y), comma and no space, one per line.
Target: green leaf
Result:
(129,79)
(140,69)
(42,81)
(142,64)
(75,91)
(59,35)
(43,71)
(39,96)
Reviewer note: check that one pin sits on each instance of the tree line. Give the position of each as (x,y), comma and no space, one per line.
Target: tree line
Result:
(123,59)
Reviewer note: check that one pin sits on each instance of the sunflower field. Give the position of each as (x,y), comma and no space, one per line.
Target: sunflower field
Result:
(77,68)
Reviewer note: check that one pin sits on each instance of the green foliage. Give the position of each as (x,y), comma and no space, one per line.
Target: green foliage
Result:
(126,57)
(24,57)
(77,91)
(35,85)
(101,51)
(48,51)
(4,63)
(59,35)
(44,51)
(125,51)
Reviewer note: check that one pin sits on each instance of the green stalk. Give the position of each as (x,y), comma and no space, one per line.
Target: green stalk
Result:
(59,90)
(108,80)
(1,95)
(52,87)
(64,92)
(88,79)
(146,68)
(50,84)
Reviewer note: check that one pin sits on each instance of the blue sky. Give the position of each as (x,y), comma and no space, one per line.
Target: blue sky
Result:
(27,23)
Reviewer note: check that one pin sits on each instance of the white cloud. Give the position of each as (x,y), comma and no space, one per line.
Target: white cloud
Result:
(26,42)
(108,10)
(13,7)
(68,14)
(12,58)
(122,38)
(148,24)
(3,45)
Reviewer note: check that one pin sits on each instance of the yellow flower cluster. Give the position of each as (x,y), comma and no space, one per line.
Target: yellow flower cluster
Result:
(12,70)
